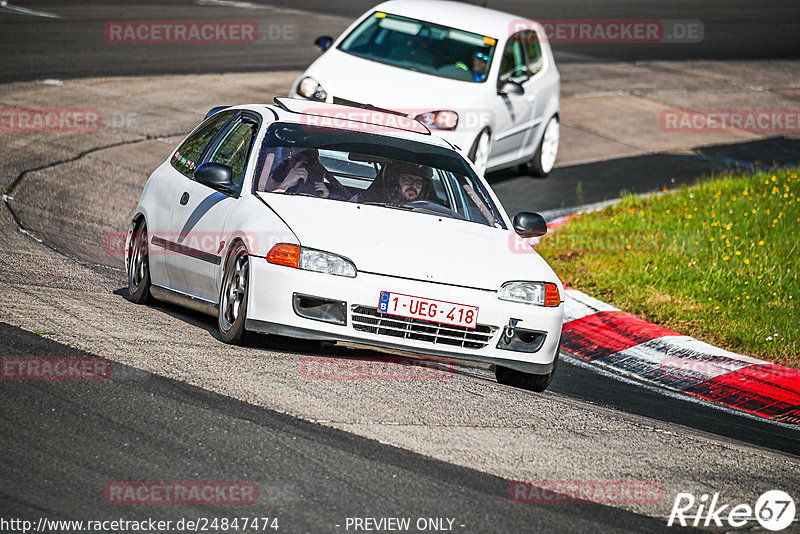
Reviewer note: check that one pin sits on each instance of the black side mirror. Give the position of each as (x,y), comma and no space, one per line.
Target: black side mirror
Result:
(216,176)
(324,42)
(511,88)
(529,224)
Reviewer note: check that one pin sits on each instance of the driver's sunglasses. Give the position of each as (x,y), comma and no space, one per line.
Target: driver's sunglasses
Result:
(409,180)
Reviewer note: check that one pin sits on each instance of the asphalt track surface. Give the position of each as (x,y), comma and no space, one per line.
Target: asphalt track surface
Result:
(62,441)
(74,46)
(70,439)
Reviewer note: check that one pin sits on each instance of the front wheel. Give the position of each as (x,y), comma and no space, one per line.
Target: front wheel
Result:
(233,296)
(519,379)
(138,265)
(479,154)
(545,158)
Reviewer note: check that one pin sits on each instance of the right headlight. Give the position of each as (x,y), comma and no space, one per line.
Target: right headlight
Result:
(311,260)
(535,293)
(311,89)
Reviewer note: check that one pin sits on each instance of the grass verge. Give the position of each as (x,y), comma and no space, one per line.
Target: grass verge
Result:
(718,260)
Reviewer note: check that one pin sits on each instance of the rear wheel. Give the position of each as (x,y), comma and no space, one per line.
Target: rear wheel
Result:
(519,379)
(545,158)
(233,296)
(138,265)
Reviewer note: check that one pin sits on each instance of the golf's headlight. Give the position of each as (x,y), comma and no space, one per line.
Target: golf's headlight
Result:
(311,89)
(440,120)
(311,260)
(536,293)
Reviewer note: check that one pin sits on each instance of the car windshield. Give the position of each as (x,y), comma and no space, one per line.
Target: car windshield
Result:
(365,168)
(422,46)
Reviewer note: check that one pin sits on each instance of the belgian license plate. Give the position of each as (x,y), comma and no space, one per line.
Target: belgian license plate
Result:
(438,311)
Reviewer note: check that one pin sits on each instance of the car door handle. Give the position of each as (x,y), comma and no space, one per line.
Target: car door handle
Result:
(184,198)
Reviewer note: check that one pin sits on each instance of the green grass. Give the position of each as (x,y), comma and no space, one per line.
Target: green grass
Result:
(718,261)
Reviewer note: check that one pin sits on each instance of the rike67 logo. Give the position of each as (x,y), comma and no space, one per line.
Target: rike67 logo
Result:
(774,510)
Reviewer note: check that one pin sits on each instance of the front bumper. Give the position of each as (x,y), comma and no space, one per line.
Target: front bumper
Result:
(270,310)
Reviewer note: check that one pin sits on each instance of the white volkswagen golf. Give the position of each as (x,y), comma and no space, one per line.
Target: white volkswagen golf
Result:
(322,222)
(484,80)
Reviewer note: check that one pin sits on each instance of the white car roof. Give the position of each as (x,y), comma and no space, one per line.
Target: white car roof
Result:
(300,111)
(472,18)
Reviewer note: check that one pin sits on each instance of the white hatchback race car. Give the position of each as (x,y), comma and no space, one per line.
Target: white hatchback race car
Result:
(287,219)
(484,80)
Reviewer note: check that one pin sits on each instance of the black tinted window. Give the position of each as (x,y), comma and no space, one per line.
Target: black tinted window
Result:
(534,50)
(234,147)
(187,158)
(512,64)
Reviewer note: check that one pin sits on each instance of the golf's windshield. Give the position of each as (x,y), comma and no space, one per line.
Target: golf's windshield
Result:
(421,46)
(371,169)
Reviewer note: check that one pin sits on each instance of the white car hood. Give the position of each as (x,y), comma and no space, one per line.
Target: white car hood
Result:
(411,245)
(370,82)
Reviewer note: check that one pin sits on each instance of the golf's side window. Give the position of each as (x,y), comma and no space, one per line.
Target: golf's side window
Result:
(512,65)
(533,50)
(189,154)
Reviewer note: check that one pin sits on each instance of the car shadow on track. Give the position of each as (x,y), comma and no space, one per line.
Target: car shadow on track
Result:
(347,359)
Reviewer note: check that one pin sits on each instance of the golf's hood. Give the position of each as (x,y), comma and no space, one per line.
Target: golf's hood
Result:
(420,246)
(364,81)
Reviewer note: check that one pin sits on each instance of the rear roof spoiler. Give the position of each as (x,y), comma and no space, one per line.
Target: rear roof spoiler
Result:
(292,105)
(212,111)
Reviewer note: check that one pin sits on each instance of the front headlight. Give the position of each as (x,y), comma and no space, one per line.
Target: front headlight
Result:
(311,89)
(311,260)
(536,293)
(325,262)
(439,120)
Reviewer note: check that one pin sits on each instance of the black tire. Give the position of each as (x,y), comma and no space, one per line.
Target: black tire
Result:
(519,379)
(535,166)
(233,296)
(137,265)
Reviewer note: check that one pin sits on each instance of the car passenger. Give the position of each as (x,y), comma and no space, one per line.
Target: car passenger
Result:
(302,173)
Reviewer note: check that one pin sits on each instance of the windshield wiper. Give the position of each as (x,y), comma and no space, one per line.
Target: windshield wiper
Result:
(387,205)
(302,195)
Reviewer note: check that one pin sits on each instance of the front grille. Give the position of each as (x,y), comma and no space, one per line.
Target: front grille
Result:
(366,319)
